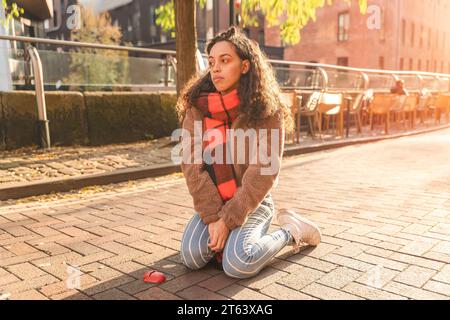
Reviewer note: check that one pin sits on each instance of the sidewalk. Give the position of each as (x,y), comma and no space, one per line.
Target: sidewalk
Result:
(383,209)
(29,171)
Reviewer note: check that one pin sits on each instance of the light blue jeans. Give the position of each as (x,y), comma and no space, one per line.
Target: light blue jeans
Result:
(247,250)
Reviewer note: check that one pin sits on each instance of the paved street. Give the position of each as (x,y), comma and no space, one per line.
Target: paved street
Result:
(383,208)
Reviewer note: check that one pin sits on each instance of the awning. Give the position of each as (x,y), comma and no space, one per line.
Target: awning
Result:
(36,9)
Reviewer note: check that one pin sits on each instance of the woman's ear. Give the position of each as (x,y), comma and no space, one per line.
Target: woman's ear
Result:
(245,66)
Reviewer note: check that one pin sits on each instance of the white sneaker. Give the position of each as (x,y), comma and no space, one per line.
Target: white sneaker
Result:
(302,230)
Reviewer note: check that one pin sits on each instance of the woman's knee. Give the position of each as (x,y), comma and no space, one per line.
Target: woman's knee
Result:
(192,258)
(193,239)
(238,266)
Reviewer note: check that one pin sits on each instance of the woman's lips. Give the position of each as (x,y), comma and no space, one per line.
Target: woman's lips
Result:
(218,79)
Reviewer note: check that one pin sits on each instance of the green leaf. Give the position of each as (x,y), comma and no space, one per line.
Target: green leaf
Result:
(166,16)
(11,12)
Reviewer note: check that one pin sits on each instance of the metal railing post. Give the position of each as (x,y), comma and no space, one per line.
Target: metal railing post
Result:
(366,80)
(43,127)
(166,71)
(439,83)
(324,78)
(420,82)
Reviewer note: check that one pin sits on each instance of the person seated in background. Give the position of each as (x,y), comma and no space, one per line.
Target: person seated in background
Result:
(425,93)
(399,88)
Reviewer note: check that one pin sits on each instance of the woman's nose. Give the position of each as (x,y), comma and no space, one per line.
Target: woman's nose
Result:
(216,68)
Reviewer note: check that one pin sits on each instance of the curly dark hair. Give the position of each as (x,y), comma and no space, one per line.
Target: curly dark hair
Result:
(258,91)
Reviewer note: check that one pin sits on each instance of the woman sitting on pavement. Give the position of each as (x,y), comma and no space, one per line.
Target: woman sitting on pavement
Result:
(232,201)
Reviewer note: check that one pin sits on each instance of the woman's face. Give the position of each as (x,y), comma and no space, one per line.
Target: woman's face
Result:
(226,67)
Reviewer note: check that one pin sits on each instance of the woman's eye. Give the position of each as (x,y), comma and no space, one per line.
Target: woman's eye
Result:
(225,60)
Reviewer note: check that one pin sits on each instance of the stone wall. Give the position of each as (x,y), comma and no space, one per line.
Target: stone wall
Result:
(94,118)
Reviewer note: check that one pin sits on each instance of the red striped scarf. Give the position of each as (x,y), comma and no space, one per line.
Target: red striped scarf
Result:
(219,112)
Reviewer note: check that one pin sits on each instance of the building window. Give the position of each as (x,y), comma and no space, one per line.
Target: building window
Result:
(343,26)
(56,20)
(381,62)
(429,38)
(210,33)
(428,65)
(421,36)
(402,63)
(136,19)
(403,31)
(130,25)
(436,45)
(136,23)
(209,5)
(413,27)
(152,22)
(410,64)
(261,37)
(419,65)
(152,15)
(442,66)
(63,6)
(342,61)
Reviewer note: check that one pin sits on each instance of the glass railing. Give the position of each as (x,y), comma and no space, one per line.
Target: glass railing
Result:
(13,66)
(103,70)
(299,78)
(381,81)
(412,82)
(344,80)
(100,67)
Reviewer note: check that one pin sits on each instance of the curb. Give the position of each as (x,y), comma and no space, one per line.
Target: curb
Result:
(292,151)
(27,189)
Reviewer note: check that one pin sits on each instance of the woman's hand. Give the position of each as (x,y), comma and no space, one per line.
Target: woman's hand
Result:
(218,234)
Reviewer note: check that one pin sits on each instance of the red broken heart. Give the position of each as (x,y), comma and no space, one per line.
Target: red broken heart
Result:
(154,277)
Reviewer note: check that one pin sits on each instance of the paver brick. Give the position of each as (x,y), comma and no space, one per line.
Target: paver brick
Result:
(415,276)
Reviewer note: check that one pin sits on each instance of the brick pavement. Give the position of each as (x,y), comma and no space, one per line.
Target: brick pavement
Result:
(383,208)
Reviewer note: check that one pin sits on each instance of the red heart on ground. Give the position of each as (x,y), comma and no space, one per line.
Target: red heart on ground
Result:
(154,277)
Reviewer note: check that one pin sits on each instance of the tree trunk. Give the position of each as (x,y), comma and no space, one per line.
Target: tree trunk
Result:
(186,41)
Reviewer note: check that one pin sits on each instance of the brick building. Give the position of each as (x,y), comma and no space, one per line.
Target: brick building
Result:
(393,34)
